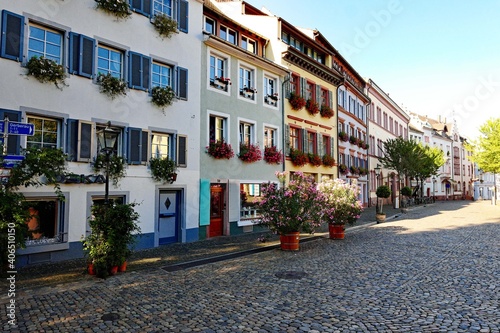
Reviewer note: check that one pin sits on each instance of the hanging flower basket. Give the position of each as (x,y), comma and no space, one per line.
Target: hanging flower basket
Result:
(328,160)
(249,153)
(298,157)
(163,169)
(164,25)
(116,167)
(312,107)
(220,150)
(112,86)
(46,70)
(162,96)
(314,159)
(272,155)
(326,111)
(296,101)
(118,8)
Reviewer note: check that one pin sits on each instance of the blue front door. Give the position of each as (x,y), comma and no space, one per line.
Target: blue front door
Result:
(169,217)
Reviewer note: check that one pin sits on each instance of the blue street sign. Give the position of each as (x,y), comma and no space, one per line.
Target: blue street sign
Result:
(17,128)
(10,161)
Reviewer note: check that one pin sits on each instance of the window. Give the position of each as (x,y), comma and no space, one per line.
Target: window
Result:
(325,145)
(295,84)
(13,143)
(109,61)
(285,37)
(248,44)
(295,138)
(218,76)
(310,91)
(161,145)
(46,225)
(161,75)
(47,133)
(270,91)
(209,25)
(162,7)
(311,143)
(247,88)
(44,42)
(228,35)
(246,133)
(270,137)
(218,128)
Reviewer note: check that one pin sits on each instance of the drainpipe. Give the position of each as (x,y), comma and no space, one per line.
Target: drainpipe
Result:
(287,79)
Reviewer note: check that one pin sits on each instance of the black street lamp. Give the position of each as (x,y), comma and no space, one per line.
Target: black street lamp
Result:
(107,139)
(378,169)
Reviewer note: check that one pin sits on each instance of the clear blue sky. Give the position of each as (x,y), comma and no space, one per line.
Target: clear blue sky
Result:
(439,57)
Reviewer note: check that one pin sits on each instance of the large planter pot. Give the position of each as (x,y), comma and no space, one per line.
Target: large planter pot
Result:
(337,231)
(91,269)
(113,270)
(380,218)
(122,267)
(290,241)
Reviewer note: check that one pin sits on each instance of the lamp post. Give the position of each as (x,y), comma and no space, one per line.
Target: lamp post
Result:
(377,174)
(107,139)
(433,188)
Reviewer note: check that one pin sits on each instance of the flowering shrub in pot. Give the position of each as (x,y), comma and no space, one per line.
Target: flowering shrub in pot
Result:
(272,155)
(249,153)
(163,169)
(342,204)
(293,208)
(343,169)
(46,70)
(220,150)
(296,101)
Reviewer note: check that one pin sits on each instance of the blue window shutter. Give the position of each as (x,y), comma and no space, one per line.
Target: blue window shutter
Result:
(181,150)
(134,145)
(145,146)
(81,55)
(141,6)
(182,83)
(139,66)
(72,139)
(14,141)
(79,140)
(183,16)
(12,36)
(204,202)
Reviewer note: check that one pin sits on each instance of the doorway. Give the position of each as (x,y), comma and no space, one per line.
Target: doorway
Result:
(217,208)
(169,217)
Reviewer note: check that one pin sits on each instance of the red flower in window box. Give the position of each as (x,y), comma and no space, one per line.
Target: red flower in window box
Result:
(354,170)
(272,155)
(296,101)
(250,153)
(312,107)
(298,157)
(326,111)
(314,159)
(220,150)
(224,80)
(354,140)
(328,160)
(343,136)
(343,169)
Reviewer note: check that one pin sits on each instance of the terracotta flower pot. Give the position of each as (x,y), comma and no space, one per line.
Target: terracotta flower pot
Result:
(337,231)
(122,267)
(91,269)
(290,241)
(113,270)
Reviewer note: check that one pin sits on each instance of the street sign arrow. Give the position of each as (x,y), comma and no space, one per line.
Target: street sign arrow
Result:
(17,128)
(10,161)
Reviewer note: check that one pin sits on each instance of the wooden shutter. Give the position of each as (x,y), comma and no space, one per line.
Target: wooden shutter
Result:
(183,16)
(287,140)
(81,55)
(318,94)
(134,145)
(303,84)
(182,150)
(79,140)
(182,83)
(305,147)
(13,141)
(319,144)
(145,146)
(332,148)
(139,71)
(330,100)
(141,6)
(12,36)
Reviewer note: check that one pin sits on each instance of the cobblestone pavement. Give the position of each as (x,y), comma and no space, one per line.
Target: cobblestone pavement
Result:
(435,269)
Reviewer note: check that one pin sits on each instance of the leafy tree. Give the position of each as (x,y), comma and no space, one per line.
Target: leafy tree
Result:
(400,156)
(486,149)
(39,168)
(429,161)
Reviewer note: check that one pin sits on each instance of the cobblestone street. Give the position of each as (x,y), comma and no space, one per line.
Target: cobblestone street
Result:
(435,269)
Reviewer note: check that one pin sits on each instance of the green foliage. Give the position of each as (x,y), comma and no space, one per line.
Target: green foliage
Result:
(162,169)
(112,86)
(486,149)
(162,96)
(118,8)
(406,191)
(46,70)
(116,167)
(164,25)
(383,191)
(342,204)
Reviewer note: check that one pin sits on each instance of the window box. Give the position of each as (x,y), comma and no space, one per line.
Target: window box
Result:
(296,101)
(112,86)
(248,92)
(326,111)
(118,8)
(354,140)
(343,136)
(343,169)
(164,25)
(272,99)
(46,70)
(163,170)
(312,107)
(328,160)
(249,153)
(116,169)
(162,96)
(272,155)
(314,159)
(220,150)
(298,157)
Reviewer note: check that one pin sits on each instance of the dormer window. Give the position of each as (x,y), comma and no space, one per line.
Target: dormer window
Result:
(228,35)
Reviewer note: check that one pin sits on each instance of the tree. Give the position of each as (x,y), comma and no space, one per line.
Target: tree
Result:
(39,168)
(486,149)
(400,155)
(429,161)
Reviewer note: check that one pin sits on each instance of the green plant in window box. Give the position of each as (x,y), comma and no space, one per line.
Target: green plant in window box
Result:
(46,70)
(116,167)
(164,25)
(162,96)
(112,86)
(118,8)
(163,169)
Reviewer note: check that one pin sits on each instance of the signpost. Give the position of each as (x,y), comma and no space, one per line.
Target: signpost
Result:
(8,127)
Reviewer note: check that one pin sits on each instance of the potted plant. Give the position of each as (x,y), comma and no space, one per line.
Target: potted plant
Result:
(298,157)
(249,153)
(382,192)
(343,169)
(111,86)
(314,159)
(405,192)
(343,136)
(46,70)
(220,150)
(272,155)
(116,169)
(312,107)
(354,140)
(341,205)
(162,96)
(289,210)
(296,101)
(118,8)
(326,111)
(354,170)
(163,169)
(328,160)
(164,25)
